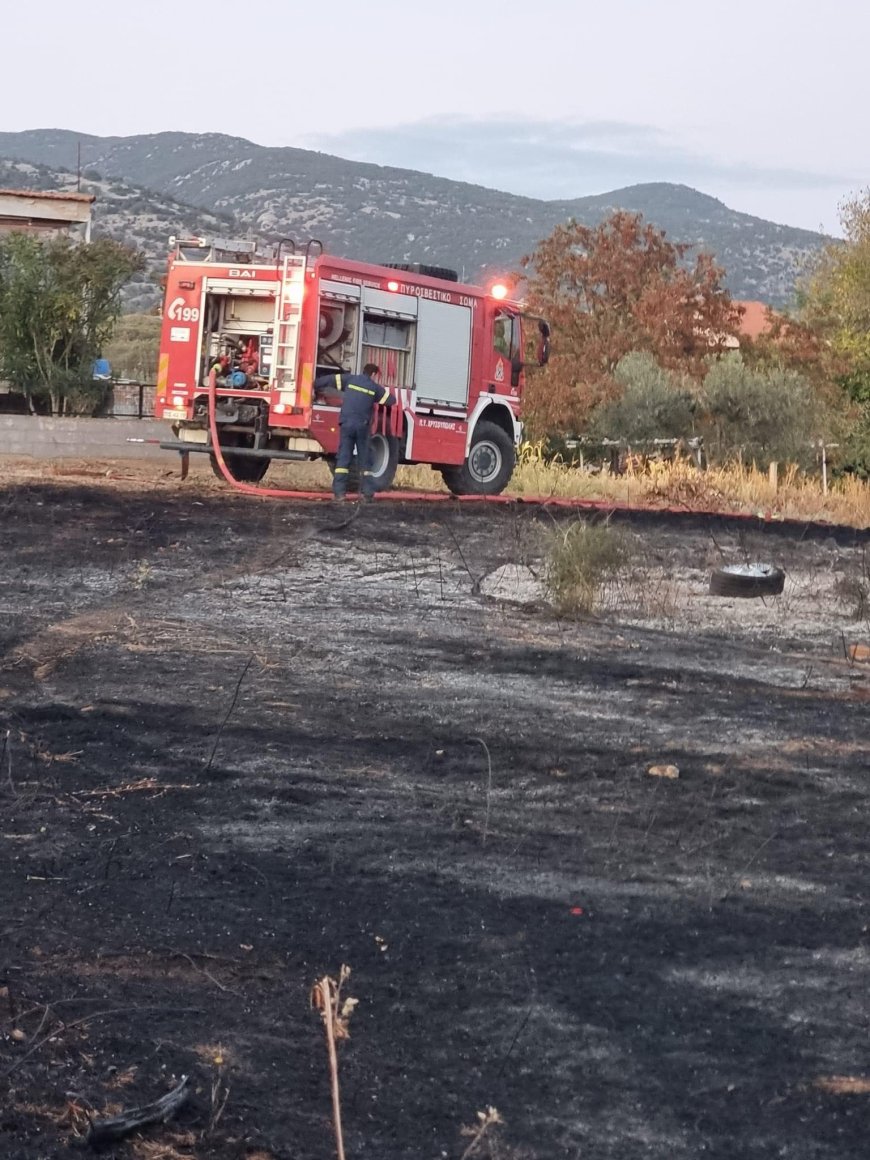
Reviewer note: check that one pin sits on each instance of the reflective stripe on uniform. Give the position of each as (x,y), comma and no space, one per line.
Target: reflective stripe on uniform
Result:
(385,396)
(342,470)
(362,390)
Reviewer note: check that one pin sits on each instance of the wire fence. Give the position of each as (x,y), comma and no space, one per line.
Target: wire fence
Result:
(619,455)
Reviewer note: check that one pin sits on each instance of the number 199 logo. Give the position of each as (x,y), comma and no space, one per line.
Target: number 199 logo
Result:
(178,311)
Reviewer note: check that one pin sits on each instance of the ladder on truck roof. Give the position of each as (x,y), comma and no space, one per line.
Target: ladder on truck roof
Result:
(212,249)
(289,318)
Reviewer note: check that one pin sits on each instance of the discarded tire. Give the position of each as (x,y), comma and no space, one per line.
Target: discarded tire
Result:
(747,580)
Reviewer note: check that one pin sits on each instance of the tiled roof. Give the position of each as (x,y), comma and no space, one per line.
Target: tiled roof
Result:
(54,194)
(754,321)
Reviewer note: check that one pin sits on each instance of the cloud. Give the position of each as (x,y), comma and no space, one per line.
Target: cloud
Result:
(563,159)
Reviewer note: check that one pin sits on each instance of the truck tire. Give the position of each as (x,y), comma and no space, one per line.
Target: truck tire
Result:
(746,580)
(384,457)
(242,468)
(489,465)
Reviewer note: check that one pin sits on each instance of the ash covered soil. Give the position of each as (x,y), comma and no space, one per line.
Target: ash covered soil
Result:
(247,743)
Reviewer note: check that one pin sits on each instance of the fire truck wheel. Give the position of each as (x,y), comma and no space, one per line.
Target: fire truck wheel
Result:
(384,451)
(241,468)
(384,457)
(489,466)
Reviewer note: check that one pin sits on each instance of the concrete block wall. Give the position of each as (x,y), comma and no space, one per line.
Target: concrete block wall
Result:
(45,438)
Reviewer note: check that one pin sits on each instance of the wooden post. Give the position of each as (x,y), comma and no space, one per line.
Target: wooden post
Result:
(773,475)
(824,469)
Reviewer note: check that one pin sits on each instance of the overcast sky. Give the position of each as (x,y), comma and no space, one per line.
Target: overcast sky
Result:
(762,103)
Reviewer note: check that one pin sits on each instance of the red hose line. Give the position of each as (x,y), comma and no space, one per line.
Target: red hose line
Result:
(245,488)
(440,497)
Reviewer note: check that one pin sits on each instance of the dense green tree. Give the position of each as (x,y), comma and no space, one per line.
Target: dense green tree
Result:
(58,304)
(835,304)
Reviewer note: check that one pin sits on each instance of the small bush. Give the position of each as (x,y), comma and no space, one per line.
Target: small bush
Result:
(582,559)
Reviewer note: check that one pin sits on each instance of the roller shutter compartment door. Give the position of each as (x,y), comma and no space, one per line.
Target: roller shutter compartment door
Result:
(443,353)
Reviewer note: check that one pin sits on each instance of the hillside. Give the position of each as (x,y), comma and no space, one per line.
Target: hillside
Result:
(388,214)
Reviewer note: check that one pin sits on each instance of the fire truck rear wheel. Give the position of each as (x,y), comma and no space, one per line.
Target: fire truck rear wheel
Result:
(384,452)
(384,457)
(489,466)
(241,467)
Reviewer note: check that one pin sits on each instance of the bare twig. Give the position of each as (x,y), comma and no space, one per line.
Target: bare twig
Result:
(17,1017)
(207,974)
(486,1121)
(749,862)
(480,741)
(513,1042)
(217,739)
(87,1019)
(326,998)
(7,753)
(475,580)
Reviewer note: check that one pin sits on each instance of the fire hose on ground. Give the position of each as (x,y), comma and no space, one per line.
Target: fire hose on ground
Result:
(442,497)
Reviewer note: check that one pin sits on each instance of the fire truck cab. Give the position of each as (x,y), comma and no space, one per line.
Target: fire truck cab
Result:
(254,331)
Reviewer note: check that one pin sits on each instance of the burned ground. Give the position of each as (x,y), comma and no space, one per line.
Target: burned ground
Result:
(246,744)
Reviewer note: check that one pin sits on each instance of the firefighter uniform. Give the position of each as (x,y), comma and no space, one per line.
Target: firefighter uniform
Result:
(360,395)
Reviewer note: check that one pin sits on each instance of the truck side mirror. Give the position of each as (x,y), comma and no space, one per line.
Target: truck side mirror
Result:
(517,365)
(543,343)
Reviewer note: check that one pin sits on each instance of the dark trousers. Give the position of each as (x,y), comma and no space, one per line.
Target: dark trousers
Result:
(353,436)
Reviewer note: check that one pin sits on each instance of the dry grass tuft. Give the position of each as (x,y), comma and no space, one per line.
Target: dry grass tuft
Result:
(582,559)
(679,483)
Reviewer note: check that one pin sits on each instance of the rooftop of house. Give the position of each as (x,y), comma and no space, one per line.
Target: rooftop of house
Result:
(755,320)
(47,195)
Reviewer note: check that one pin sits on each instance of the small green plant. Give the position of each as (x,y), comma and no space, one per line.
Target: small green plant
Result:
(582,560)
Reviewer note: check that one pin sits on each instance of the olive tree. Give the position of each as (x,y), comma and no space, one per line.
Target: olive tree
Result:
(654,404)
(760,414)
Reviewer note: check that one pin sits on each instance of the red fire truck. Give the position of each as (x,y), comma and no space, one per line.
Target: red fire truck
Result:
(253,331)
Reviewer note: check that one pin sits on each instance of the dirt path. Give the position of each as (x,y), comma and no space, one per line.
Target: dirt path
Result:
(246,745)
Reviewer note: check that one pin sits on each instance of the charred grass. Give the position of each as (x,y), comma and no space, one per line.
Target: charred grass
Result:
(450,795)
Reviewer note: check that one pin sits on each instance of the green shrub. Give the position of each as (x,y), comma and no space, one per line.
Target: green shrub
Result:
(760,414)
(582,559)
(655,404)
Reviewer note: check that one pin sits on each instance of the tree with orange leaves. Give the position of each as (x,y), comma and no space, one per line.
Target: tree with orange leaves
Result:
(619,287)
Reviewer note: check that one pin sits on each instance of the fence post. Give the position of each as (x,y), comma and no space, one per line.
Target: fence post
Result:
(824,468)
(773,475)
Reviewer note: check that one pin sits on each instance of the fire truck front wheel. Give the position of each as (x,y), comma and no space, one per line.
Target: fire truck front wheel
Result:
(489,465)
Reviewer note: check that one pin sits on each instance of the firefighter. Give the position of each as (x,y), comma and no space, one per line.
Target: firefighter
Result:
(360,395)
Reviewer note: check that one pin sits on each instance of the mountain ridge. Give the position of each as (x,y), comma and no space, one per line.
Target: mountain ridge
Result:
(379,213)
